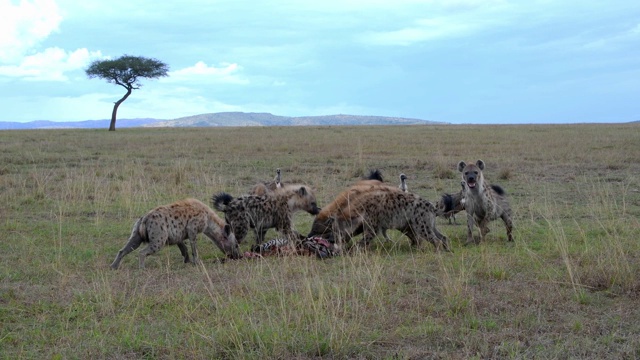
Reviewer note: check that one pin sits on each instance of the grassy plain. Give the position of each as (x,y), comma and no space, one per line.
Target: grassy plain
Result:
(568,287)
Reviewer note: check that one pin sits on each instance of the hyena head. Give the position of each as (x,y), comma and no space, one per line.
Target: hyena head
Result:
(304,199)
(472,174)
(229,243)
(322,226)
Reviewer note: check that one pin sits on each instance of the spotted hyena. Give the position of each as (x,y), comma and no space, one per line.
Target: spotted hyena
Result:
(323,224)
(380,208)
(172,224)
(272,210)
(483,202)
(451,204)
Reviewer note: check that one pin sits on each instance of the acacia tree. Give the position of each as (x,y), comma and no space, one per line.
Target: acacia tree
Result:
(126,71)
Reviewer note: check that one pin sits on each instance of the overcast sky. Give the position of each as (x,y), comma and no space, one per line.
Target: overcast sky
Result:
(458,61)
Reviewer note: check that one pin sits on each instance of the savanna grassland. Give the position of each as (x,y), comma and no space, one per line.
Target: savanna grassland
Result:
(568,287)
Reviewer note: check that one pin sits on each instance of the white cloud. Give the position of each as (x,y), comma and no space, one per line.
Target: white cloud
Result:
(226,73)
(423,30)
(50,65)
(25,25)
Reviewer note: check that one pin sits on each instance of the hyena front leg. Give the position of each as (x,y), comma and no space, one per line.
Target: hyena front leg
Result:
(470,223)
(193,237)
(260,234)
(133,243)
(184,251)
(368,234)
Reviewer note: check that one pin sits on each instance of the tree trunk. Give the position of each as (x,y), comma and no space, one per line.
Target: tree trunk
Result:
(112,126)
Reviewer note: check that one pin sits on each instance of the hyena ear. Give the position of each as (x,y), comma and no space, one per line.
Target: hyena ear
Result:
(461,166)
(302,191)
(480,164)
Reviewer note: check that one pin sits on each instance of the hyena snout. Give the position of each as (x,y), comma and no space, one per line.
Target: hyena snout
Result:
(307,201)
(229,243)
(471,179)
(313,208)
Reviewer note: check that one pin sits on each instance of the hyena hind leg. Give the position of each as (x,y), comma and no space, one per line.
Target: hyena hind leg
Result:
(134,242)
(509,225)
(151,249)
(443,239)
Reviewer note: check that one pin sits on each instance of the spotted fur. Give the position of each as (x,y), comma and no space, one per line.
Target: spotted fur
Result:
(483,202)
(272,210)
(172,224)
(379,208)
(323,224)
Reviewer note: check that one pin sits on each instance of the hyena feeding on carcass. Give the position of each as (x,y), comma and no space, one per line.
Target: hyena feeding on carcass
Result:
(323,224)
(483,202)
(266,187)
(272,210)
(451,204)
(377,209)
(172,224)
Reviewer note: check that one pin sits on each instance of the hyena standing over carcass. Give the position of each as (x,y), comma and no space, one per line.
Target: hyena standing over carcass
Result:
(274,209)
(483,202)
(172,224)
(373,209)
(324,224)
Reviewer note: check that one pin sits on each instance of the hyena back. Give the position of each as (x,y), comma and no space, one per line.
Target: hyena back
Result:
(324,223)
(271,210)
(483,202)
(172,224)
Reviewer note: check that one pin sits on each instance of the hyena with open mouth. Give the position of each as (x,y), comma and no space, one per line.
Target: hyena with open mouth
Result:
(483,202)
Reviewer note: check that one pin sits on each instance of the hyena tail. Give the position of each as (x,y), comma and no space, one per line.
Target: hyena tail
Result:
(221,200)
(140,229)
(447,200)
(138,236)
(374,175)
(498,189)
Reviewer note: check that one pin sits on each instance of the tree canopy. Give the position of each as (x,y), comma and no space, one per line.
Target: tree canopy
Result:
(126,71)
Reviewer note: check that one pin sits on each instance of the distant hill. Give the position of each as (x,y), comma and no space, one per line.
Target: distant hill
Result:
(266,119)
(221,119)
(87,124)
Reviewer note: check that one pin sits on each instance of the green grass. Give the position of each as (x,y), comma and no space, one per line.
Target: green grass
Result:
(568,287)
